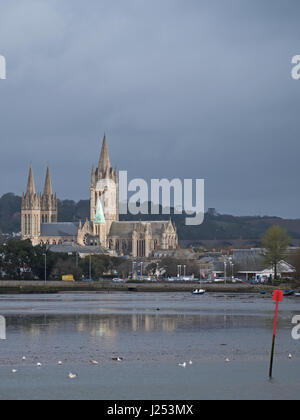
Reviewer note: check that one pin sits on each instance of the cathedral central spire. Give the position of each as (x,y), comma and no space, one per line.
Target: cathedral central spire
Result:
(104,161)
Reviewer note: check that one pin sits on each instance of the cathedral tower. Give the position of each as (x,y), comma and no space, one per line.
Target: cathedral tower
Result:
(37,208)
(48,202)
(104,204)
(31,210)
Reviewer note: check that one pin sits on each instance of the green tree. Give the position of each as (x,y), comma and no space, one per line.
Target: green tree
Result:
(100,264)
(170,265)
(10,213)
(151,269)
(123,267)
(66,266)
(19,260)
(275,241)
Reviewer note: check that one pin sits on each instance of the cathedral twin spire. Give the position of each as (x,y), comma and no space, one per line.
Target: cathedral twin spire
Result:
(37,208)
(45,203)
(30,183)
(48,190)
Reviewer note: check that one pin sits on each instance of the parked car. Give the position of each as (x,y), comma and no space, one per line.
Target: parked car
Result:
(236,280)
(254,282)
(219,280)
(118,280)
(87,280)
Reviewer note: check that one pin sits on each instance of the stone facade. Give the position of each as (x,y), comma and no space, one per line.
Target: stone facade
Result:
(138,239)
(37,209)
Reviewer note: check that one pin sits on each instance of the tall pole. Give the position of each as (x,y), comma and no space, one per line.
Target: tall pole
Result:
(184,270)
(273,342)
(278,297)
(45,268)
(90,268)
(225,274)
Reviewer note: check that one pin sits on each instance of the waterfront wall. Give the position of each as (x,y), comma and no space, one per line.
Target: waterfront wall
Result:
(20,287)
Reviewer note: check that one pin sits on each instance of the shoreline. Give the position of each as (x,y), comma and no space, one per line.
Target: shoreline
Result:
(55,287)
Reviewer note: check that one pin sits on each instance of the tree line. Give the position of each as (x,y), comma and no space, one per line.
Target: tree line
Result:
(19,260)
(215,227)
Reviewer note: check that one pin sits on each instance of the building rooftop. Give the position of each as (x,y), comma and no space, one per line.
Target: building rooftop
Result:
(59,229)
(125,229)
(72,248)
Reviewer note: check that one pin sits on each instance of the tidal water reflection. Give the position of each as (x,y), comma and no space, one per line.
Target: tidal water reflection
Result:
(153,333)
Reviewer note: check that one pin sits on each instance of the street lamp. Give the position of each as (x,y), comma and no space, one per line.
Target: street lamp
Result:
(45,255)
(76,259)
(225,274)
(184,270)
(90,268)
(133,264)
(231,266)
(142,270)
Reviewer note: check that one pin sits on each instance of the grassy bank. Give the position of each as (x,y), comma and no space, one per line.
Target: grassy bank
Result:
(31,287)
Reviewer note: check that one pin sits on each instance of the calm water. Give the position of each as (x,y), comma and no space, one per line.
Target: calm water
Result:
(153,333)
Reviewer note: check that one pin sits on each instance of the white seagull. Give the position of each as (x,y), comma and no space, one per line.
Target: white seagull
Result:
(14,371)
(190,362)
(39,365)
(182,364)
(94,362)
(227,360)
(60,363)
(118,359)
(73,375)
(290,356)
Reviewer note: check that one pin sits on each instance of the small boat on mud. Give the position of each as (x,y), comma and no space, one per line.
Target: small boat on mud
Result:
(288,293)
(199,292)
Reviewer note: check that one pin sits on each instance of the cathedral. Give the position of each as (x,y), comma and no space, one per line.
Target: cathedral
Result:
(136,239)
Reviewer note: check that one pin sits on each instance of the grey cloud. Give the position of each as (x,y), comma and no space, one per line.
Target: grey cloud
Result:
(182,88)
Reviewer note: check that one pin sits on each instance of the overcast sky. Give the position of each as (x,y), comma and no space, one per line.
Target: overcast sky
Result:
(182,88)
